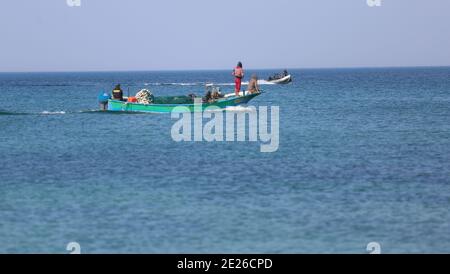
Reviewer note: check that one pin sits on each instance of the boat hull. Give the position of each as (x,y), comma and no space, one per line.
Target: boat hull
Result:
(120,106)
(284,80)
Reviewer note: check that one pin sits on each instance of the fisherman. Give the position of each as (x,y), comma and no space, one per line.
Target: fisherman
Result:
(285,73)
(238,74)
(117,93)
(103,98)
(253,86)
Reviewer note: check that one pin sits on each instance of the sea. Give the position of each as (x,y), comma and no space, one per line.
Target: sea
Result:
(363,157)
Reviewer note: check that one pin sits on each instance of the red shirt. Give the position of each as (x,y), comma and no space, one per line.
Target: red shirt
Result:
(238,72)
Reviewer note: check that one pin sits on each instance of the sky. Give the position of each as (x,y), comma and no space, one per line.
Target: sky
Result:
(119,35)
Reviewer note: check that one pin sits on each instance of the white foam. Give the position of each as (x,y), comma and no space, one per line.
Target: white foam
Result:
(232,109)
(53,112)
(240,109)
(264,82)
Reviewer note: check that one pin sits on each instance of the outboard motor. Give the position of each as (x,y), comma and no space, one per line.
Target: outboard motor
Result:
(103,98)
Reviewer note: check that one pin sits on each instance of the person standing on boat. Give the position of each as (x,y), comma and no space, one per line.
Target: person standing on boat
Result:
(117,93)
(238,74)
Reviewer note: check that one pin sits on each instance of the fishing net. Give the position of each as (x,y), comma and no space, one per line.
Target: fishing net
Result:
(173,100)
(144,96)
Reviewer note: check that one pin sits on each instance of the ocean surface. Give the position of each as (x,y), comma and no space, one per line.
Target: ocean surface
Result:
(364,156)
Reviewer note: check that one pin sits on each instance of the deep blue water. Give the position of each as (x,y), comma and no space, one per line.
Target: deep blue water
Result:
(364,156)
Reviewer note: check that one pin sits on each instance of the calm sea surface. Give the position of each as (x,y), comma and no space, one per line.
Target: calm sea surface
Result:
(364,156)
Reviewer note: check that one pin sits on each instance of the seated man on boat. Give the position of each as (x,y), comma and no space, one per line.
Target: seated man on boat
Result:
(275,77)
(253,86)
(212,94)
(281,78)
(279,75)
(117,93)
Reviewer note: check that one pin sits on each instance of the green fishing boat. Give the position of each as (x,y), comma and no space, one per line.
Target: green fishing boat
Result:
(179,104)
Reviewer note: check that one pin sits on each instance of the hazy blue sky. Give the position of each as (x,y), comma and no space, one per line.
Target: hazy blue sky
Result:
(47,35)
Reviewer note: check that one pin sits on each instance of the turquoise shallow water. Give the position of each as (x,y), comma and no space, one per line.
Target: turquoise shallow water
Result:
(364,156)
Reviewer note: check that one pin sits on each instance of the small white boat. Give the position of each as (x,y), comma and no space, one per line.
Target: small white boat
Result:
(284,80)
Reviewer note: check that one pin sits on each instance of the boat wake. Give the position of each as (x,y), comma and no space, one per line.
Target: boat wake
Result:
(96,111)
(175,84)
(260,82)
(5,113)
(32,113)
(52,112)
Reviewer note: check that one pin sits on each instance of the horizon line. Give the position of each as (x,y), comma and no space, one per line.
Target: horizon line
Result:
(224,69)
